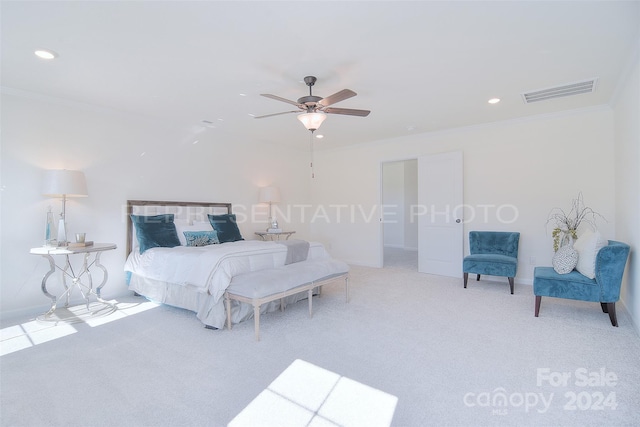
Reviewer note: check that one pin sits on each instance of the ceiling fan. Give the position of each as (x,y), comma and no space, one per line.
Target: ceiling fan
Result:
(315,108)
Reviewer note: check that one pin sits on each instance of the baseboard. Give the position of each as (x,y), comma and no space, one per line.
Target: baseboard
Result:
(406,248)
(24,312)
(633,321)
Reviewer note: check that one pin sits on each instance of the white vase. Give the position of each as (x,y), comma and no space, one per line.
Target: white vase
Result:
(567,239)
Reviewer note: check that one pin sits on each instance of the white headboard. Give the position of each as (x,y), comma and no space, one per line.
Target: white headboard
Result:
(189,211)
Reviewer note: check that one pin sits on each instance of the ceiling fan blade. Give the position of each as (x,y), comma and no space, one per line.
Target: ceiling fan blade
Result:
(278,98)
(337,97)
(347,111)
(275,114)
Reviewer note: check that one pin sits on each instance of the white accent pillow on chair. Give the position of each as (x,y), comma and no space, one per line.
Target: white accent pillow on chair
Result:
(588,245)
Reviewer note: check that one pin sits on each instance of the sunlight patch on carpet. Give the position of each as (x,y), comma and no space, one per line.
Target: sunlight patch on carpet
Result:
(28,334)
(307,395)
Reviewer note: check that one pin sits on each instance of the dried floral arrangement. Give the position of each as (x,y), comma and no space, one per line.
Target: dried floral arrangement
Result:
(567,223)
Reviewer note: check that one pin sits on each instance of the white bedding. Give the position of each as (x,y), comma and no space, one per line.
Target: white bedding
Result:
(205,270)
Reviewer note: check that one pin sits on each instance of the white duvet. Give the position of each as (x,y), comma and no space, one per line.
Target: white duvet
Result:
(209,269)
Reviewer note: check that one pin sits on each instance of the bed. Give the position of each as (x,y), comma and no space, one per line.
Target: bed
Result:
(194,272)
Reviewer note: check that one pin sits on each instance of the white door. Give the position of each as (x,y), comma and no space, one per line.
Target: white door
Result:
(439,211)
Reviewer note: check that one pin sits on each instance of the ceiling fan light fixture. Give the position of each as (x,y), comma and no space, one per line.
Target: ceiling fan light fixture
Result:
(312,121)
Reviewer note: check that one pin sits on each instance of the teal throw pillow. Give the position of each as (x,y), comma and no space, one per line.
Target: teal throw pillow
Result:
(155,231)
(226,226)
(201,238)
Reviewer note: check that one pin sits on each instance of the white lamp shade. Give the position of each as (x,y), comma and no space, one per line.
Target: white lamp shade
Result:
(269,195)
(64,183)
(312,121)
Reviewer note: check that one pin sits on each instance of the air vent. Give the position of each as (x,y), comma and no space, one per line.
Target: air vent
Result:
(587,86)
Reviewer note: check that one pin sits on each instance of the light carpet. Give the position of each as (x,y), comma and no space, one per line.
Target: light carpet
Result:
(452,357)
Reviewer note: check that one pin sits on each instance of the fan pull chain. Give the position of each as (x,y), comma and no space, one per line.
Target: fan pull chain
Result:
(311,149)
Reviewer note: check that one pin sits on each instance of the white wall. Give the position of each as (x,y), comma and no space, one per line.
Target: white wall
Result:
(533,165)
(40,133)
(528,166)
(627,178)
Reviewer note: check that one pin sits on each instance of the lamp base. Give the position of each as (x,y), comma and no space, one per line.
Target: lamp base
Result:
(62,233)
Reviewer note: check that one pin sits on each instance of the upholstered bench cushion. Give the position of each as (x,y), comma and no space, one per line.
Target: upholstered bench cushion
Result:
(273,281)
(491,264)
(546,282)
(263,286)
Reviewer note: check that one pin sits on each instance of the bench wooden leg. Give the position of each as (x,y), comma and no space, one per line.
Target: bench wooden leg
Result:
(310,297)
(227,301)
(346,287)
(256,320)
(538,300)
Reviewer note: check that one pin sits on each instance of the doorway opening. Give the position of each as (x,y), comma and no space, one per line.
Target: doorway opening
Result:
(399,226)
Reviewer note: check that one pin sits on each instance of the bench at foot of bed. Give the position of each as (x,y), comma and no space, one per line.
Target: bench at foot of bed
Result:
(260,287)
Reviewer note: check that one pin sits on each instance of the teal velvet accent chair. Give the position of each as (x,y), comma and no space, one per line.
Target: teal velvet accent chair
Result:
(604,288)
(493,253)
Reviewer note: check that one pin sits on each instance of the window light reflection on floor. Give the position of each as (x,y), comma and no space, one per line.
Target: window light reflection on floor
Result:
(307,395)
(25,335)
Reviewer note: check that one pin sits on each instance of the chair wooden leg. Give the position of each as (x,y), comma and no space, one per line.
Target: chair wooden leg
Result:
(511,284)
(604,307)
(478,278)
(611,309)
(538,300)
(466,276)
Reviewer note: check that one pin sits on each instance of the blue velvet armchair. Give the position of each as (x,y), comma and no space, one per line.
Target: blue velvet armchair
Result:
(493,253)
(605,288)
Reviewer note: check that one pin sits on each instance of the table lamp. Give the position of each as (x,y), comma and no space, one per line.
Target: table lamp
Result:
(64,183)
(270,195)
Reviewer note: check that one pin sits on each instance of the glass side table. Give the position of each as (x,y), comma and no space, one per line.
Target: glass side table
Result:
(80,280)
(265,235)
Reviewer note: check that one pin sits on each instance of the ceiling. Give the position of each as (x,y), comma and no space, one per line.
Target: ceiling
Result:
(418,66)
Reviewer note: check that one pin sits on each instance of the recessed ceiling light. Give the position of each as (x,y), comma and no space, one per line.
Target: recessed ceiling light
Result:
(494,100)
(319,136)
(45,54)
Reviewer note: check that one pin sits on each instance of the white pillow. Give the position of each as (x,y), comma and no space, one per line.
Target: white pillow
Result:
(588,245)
(196,226)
